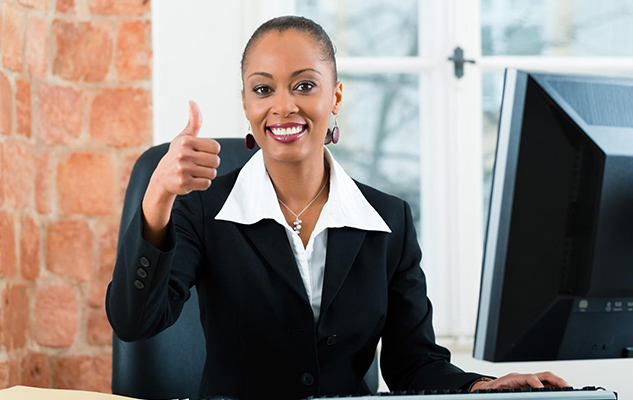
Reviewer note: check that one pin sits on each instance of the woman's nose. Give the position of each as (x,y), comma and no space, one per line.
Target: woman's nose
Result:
(284,104)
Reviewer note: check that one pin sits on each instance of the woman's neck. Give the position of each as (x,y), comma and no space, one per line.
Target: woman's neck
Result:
(297,183)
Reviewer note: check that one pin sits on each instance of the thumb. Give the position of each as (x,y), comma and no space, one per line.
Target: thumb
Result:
(195,120)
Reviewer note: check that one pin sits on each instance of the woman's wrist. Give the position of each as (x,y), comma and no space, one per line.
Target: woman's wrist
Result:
(476,385)
(156,210)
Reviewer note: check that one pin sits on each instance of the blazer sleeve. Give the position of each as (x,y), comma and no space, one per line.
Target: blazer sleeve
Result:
(150,286)
(410,358)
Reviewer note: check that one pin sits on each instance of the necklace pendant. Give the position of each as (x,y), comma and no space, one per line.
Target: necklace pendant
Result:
(297,226)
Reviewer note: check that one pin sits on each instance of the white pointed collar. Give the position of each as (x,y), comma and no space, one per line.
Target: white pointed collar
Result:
(253,198)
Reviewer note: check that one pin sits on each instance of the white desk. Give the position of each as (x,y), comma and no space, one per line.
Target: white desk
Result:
(29,393)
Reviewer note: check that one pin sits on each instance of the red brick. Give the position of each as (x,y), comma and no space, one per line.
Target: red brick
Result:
(35,48)
(56,310)
(121,117)
(18,175)
(86,184)
(13,372)
(1,184)
(66,6)
(4,374)
(44,177)
(6,104)
(108,246)
(29,248)
(107,257)
(8,373)
(60,113)
(134,50)
(7,245)
(69,249)
(98,286)
(23,106)
(84,50)
(99,330)
(84,373)
(34,3)
(126,171)
(16,316)
(129,7)
(13,36)
(1,326)
(35,370)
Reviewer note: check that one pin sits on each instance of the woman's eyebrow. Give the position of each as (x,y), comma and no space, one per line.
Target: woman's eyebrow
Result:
(304,70)
(267,75)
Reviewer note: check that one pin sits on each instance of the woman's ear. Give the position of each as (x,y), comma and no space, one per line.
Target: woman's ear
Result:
(243,102)
(338,97)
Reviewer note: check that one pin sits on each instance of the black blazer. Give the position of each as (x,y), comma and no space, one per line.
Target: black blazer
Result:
(262,342)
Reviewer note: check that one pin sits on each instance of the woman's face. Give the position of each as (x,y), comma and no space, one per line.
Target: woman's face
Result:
(289,94)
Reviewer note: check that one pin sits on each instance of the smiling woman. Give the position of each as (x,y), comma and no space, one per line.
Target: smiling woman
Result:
(300,269)
(287,82)
(288,97)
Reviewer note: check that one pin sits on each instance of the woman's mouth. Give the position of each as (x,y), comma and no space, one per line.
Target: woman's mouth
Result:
(287,133)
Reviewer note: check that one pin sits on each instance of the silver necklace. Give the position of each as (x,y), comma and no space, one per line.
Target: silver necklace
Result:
(297,222)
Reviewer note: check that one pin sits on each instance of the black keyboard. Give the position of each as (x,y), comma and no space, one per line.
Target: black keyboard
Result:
(567,393)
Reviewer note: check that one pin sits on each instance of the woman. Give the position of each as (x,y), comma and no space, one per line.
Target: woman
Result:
(300,270)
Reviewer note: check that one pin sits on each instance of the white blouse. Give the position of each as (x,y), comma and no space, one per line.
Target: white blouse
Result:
(253,198)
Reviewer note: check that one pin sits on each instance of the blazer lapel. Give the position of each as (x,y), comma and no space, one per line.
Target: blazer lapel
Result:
(343,245)
(270,240)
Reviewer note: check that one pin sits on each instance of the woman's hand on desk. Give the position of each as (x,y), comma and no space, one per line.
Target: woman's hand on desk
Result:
(189,164)
(522,381)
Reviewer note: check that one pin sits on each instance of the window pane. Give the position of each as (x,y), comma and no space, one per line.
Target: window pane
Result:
(557,27)
(367,27)
(492,89)
(380,134)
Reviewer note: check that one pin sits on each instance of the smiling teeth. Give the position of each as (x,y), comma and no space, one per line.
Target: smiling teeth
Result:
(287,131)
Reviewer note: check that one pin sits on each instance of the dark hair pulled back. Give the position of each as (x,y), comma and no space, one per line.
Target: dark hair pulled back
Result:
(301,24)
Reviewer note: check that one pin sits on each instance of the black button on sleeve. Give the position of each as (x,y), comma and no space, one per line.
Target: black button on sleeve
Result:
(144,262)
(141,272)
(138,284)
(307,379)
(331,340)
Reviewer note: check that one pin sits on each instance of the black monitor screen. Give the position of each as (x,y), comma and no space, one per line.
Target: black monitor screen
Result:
(557,279)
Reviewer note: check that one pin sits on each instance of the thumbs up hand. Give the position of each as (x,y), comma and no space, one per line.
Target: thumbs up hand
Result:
(190,163)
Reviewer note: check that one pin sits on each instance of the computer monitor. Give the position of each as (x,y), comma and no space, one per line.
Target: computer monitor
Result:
(557,279)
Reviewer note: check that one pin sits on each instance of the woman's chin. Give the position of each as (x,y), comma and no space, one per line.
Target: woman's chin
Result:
(289,152)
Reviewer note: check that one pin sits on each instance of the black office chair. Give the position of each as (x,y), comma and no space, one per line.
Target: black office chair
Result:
(169,365)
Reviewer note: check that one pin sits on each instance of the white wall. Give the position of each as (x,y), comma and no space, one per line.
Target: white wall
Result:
(196,57)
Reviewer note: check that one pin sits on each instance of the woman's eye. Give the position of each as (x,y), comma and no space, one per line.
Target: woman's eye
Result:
(305,86)
(261,90)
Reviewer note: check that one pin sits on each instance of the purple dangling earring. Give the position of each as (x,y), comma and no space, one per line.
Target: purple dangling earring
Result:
(249,140)
(335,132)
(332,135)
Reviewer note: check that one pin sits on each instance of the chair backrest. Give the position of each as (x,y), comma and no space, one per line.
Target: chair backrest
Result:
(169,365)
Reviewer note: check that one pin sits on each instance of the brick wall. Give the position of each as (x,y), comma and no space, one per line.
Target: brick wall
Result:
(75,113)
